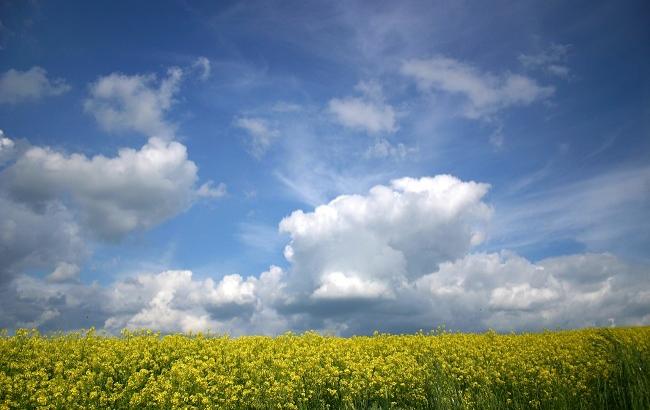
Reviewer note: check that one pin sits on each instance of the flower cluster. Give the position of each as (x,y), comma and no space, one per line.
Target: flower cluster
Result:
(593,368)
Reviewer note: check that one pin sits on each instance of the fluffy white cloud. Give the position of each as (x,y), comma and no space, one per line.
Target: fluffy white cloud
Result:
(53,204)
(485,93)
(478,291)
(175,301)
(505,291)
(33,84)
(396,259)
(369,113)
(393,234)
(136,189)
(261,134)
(138,103)
(338,285)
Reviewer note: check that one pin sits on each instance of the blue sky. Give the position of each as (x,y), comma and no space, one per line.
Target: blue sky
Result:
(213,165)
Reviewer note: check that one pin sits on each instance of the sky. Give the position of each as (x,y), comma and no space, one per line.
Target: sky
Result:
(344,167)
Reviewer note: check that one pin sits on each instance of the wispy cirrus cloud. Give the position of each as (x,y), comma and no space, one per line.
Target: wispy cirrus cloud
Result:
(261,133)
(552,60)
(605,209)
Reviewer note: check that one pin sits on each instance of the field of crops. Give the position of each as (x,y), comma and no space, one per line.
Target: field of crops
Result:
(595,368)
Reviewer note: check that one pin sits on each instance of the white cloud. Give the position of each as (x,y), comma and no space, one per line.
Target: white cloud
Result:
(484,93)
(605,209)
(137,189)
(558,70)
(478,291)
(383,148)
(7,148)
(506,291)
(174,301)
(260,132)
(31,85)
(396,259)
(138,103)
(37,237)
(208,190)
(203,65)
(338,285)
(552,60)
(394,233)
(369,113)
(64,272)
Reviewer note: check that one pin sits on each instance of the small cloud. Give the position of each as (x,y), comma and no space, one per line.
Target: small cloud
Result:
(31,85)
(559,70)
(369,113)
(382,148)
(552,60)
(64,272)
(122,102)
(260,132)
(485,93)
(497,138)
(208,190)
(202,64)
(7,148)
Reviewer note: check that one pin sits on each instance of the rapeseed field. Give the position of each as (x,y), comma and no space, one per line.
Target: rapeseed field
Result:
(581,369)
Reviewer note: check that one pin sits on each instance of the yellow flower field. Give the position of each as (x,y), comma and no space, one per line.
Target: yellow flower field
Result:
(592,368)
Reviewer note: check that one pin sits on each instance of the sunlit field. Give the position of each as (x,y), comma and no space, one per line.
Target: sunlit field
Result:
(594,368)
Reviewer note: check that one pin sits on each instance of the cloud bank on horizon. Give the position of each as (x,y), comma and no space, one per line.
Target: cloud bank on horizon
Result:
(391,183)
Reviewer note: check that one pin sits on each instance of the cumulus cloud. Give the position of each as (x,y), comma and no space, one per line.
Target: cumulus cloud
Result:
(31,85)
(484,93)
(392,235)
(503,291)
(507,292)
(399,258)
(121,102)
(37,237)
(136,189)
(55,205)
(261,134)
(169,301)
(368,113)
